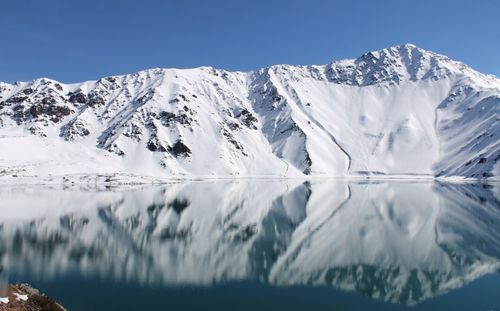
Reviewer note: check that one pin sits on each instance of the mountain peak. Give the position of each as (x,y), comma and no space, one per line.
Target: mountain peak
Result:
(406,48)
(393,65)
(405,52)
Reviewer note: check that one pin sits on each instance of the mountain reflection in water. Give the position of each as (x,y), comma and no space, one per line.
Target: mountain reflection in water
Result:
(399,242)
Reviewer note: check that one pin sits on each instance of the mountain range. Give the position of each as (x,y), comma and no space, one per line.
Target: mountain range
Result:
(398,112)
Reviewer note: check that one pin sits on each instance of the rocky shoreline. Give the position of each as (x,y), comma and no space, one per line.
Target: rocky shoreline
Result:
(23,297)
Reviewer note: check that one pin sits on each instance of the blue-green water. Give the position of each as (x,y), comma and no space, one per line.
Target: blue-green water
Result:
(84,294)
(257,245)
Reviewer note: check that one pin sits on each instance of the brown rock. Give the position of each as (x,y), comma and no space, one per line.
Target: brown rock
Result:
(36,301)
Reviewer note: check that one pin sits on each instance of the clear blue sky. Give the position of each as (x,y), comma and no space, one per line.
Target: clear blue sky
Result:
(71,40)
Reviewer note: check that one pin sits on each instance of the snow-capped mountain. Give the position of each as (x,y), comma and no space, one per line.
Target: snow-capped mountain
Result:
(397,241)
(397,111)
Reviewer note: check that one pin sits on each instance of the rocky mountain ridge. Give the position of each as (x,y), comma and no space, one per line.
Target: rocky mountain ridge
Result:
(400,111)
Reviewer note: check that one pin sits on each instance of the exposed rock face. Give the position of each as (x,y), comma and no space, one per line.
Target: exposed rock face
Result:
(77,97)
(179,149)
(75,129)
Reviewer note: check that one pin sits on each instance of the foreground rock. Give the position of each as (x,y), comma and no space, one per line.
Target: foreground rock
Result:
(22,297)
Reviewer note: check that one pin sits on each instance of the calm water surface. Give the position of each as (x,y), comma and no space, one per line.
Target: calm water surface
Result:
(257,245)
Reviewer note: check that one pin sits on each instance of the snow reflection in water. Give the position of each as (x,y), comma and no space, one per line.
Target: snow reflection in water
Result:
(400,242)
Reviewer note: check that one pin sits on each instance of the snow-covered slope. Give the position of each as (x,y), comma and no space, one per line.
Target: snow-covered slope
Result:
(397,241)
(398,111)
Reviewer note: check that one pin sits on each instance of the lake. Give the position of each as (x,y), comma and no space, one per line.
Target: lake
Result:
(256,245)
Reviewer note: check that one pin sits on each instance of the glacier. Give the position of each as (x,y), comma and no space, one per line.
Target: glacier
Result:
(401,112)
